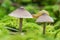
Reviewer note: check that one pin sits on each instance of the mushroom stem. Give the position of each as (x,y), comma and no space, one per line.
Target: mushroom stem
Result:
(21,20)
(44,28)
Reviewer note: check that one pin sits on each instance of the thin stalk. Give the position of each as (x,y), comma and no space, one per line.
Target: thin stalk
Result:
(21,22)
(44,28)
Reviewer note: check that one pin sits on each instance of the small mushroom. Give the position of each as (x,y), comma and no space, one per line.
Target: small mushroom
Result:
(44,18)
(21,13)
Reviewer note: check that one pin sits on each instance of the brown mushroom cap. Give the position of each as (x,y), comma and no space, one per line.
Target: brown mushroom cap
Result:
(44,18)
(21,13)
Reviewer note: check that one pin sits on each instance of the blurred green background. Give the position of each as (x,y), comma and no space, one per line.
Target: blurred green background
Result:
(31,30)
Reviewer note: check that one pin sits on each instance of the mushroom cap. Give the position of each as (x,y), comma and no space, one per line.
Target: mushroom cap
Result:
(44,18)
(21,13)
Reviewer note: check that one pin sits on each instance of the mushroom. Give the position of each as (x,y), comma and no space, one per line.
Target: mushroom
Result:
(21,13)
(44,18)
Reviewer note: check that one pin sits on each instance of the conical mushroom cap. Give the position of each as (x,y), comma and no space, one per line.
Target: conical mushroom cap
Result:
(21,13)
(44,18)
